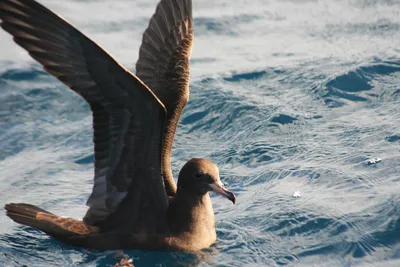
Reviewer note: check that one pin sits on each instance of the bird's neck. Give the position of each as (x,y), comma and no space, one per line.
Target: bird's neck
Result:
(191,217)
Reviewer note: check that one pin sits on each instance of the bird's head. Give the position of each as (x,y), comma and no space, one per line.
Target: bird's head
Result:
(201,176)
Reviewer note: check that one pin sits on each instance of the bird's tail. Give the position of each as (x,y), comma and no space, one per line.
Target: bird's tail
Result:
(51,224)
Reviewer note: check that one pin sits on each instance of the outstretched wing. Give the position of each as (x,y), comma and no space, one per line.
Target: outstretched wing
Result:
(164,66)
(128,119)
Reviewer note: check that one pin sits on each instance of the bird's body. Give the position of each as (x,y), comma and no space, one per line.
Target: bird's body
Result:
(135,202)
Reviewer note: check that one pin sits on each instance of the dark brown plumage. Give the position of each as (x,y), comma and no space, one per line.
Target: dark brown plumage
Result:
(135,202)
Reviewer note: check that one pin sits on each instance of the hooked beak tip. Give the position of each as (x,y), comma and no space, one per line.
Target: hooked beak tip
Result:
(219,188)
(232,198)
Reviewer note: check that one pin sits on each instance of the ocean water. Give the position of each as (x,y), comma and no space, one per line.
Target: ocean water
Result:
(286,96)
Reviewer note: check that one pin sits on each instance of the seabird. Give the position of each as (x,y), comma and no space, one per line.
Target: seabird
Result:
(135,202)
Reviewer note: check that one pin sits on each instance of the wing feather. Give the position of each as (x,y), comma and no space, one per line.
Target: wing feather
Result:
(164,66)
(128,119)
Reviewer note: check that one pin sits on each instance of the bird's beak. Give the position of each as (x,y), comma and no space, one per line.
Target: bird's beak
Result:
(219,188)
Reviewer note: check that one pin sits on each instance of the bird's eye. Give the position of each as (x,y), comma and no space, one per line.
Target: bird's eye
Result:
(198,174)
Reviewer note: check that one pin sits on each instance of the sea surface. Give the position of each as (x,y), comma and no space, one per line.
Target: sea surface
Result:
(291,98)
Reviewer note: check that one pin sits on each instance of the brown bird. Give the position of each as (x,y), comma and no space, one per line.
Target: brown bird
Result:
(135,202)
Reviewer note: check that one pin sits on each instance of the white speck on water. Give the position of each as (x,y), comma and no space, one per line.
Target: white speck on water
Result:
(296,194)
(374,161)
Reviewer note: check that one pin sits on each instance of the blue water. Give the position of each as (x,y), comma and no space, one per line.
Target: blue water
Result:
(286,96)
